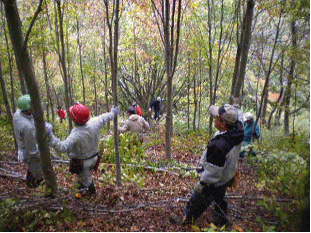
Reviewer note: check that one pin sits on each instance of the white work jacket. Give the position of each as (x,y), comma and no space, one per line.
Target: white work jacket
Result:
(82,143)
(25,134)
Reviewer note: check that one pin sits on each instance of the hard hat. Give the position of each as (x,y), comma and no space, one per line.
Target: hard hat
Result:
(24,102)
(79,113)
(248,116)
(158,98)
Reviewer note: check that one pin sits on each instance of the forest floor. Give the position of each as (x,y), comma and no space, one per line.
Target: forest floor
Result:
(130,208)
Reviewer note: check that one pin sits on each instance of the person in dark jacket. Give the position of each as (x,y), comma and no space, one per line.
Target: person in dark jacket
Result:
(219,162)
(156,105)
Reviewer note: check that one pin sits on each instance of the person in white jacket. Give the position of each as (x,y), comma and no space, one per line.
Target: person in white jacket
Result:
(25,134)
(82,143)
(135,123)
(219,162)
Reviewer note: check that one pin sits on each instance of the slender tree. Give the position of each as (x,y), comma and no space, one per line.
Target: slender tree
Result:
(10,58)
(62,57)
(5,96)
(290,78)
(242,50)
(169,28)
(113,29)
(80,59)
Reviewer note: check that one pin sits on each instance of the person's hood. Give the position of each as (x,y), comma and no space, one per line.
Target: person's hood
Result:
(134,117)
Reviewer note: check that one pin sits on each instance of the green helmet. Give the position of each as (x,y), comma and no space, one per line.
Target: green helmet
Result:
(23,103)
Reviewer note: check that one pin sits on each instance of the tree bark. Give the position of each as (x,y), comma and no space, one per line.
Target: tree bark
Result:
(243,47)
(290,80)
(62,58)
(170,39)
(113,27)
(5,97)
(105,81)
(80,60)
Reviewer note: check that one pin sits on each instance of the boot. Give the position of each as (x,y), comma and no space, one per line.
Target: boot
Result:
(31,182)
(91,189)
(179,220)
(220,220)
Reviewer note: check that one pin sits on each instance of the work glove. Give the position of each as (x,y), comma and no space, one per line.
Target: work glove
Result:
(200,169)
(198,187)
(115,110)
(49,128)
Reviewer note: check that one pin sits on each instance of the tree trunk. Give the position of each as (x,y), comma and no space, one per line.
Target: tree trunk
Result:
(5,98)
(95,89)
(10,59)
(80,60)
(105,81)
(290,80)
(170,38)
(279,100)
(113,27)
(268,73)
(62,58)
(22,55)
(195,102)
(20,72)
(200,90)
(188,95)
(243,48)
(47,85)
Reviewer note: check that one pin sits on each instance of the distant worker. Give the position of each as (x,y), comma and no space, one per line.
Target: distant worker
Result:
(249,136)
(156,105)
(25,134)
(135,123)
(137,108)
(82,143)
(61,113)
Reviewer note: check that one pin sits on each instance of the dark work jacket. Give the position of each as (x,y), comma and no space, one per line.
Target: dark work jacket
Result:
(156,105)
(221,155)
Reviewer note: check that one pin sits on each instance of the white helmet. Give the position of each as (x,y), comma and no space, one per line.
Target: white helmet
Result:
(248,116)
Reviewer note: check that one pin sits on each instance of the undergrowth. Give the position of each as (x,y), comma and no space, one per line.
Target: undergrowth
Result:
(14,218)
(283,169)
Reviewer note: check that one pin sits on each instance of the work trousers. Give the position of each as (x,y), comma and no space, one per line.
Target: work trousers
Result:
(199,202)
(85,177)
(34,165)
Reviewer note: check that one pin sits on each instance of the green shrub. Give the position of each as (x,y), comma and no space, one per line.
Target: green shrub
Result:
(15,219)
(6,134)
(283,169)
(130,148)
(132,155)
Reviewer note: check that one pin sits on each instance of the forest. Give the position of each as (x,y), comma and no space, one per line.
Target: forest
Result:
(192,54)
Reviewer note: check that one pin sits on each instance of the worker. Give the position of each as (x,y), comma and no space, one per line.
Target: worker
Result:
(219,162)
(25,134)
(82,143)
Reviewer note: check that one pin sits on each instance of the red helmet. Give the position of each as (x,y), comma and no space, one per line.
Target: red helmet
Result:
(79,113)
